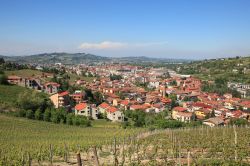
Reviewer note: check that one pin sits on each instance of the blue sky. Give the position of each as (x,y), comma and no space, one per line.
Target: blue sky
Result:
(193,29)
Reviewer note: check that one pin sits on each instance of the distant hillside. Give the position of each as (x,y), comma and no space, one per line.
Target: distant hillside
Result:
(233,69)
(139,59)
(50,58)
(78,58)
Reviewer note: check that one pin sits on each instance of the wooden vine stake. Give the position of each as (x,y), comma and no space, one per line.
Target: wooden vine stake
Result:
(79,160)
(51,154)
(188,158)
(29,159)
(66,153)
(96,157)
(115,154)
(235,143)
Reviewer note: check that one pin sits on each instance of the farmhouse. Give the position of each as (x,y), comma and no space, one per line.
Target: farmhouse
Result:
(212,122)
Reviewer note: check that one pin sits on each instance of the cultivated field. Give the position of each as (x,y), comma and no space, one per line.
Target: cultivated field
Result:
(24,142)
(20,138)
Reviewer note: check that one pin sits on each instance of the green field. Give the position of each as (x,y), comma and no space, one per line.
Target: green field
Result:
(74,77)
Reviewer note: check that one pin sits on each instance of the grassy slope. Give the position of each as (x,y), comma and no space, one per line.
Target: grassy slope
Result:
(32,73)
(10,93)
(24,73)
(74,77)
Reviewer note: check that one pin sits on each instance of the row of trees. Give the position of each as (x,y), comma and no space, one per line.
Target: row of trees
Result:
(56,116)
(11,65)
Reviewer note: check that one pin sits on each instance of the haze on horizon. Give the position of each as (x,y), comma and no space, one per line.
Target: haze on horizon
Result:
(191,29)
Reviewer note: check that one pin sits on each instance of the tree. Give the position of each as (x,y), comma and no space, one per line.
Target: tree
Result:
(235,93)
(76,120)
(69,119)
(97,96)
(47,115)
(115,77)
(3,79)
(38,114)
(138,117)
(239,122)
(29,114)
(248,93)
(33,100)
(21,113)
(55,116)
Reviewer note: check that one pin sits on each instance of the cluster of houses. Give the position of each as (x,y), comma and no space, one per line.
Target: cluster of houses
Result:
(148,89)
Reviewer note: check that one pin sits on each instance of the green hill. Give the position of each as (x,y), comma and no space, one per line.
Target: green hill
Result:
(233,69)
(79,58)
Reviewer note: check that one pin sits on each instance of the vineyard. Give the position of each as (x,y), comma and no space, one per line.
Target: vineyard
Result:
(27,142)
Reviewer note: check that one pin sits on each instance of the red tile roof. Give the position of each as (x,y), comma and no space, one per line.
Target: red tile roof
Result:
(124,102)
(112,109)
(202,105)
(179,109)
(63,93)
(13,77)
(104,105)
(81,106)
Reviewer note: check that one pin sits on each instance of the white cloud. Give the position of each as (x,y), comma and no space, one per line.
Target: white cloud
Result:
(108,45)
(103,45)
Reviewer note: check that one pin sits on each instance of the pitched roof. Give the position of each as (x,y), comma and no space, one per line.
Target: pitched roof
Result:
(215,120)
(124,102)
(52,83)
(104,105)
(63,93)
(81,106)
(185,114)
(179,109)
(13,77)
(202,105)
(112,109)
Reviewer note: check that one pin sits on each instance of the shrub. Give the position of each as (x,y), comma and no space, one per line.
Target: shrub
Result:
(29,114)
(69,119)
(21,113)
(47,115)
(38,114)
(76,120)
(55,116)
(3,79)
(169,124)
(81,121)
